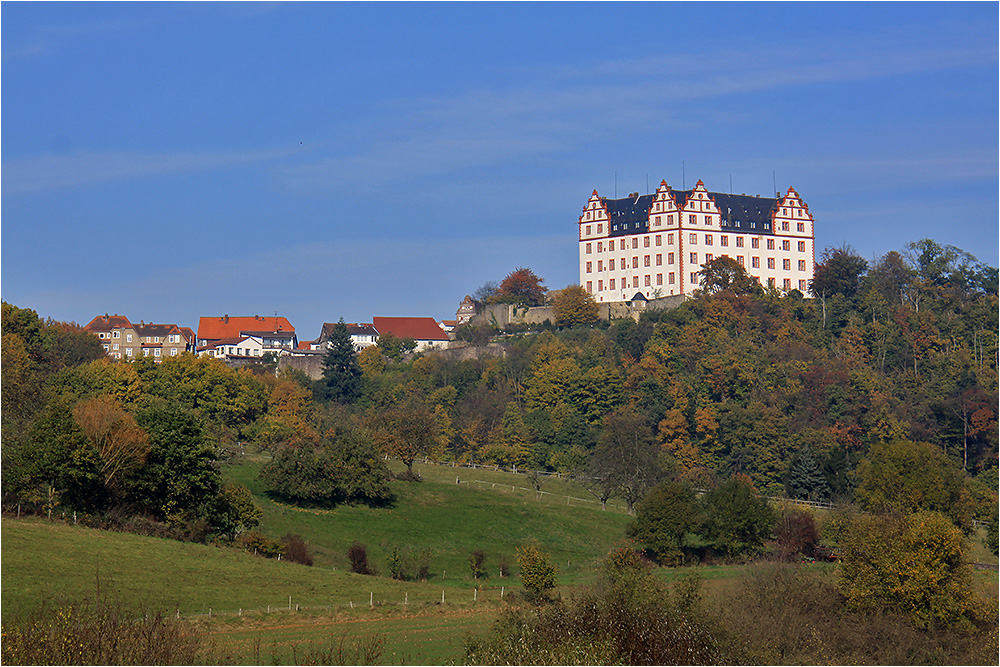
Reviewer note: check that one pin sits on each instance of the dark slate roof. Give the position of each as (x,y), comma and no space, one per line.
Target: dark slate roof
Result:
(739,213)
(629,215)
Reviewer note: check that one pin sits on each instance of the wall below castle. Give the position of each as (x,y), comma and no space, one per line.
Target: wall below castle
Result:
(504,315)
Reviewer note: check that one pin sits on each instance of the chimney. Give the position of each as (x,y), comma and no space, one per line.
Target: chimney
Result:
(225,319)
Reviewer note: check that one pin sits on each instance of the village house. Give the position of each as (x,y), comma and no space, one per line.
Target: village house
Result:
(123,340)
(245,337)
(362,335)
(425,331)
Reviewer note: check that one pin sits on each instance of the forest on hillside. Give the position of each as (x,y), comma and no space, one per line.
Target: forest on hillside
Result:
(790,393)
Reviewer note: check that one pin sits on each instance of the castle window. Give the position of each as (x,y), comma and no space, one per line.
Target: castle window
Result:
(670,239)
(693,219)
(755,262)
(635,262)
(621,244)
(802,265)
(659,218)
(645,260)
(588,248)
(670,278)
(800,226)
(786,245)
(802,246)
(659,240)
(600,266)
(600,229)
(786,264)
(784,226)
(694,278)
(645,242)
(600,285)
(645,281)
(708,239)
(589,266)
(588,226)
(787,283)
(611,265)
(693,239)
(116,334)
(659,260)
(709,257)
(754,243)
(802,286)
(635,242)
(612,285)
(770,262)
(694,258)
(635,281)
(590,286)
(724,241)
(739,241)
(600,246)
(670,258)
(770,244)
(670,219)
(708,220)
(659,279)
(739,259)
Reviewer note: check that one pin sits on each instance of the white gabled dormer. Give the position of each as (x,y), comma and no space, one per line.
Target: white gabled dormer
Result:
(700,205)
(791,215)
(663,213)
(594,219)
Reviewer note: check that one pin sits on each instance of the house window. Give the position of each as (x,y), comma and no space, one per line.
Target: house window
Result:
(755,262)
(770,244)
(115,347)
(770,283)
(116,334)
(173,352)
(659,260)
(589,265)
(724,241)
(754,243)
(670,278)
(128,352)
(659,219)
(670,219)
(770,262)
(786,264)
(105,347)
(739,241)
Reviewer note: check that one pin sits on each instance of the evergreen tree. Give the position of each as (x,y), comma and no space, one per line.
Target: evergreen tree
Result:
(806,480)
(341,380)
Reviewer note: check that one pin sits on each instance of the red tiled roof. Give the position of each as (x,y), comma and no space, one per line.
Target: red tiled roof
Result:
(417,328)
(213,328)
(108,322)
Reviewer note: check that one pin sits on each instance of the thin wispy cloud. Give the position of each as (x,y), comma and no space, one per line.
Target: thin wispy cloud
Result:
(50,172)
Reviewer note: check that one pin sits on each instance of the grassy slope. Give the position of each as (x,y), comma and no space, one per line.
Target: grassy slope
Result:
(451,520)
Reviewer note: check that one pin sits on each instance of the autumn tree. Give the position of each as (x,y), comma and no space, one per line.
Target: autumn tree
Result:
(627,456)
(121,445)
(574,305)
(725,273)
(737,521)
(538,572)
(663,517)
(404,433)
(910,563)
(521,286)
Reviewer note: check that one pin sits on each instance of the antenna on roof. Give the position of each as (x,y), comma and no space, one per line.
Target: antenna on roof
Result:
(774,182)
(647,183)
(730,184)
(616,184)
(684,183)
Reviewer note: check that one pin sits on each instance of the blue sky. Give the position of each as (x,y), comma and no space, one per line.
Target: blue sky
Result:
(173,160)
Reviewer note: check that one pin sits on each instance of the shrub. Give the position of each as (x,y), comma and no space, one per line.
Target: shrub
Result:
(395,564)
(477,561)
(357,554)
(422,564)
(103,631)
(295,549)
(538,572)
(795,534)
(503,565)
(256,543)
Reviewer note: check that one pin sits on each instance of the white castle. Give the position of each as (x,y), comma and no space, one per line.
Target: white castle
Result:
(654,245)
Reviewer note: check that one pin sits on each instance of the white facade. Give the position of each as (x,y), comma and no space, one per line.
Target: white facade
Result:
(656,244)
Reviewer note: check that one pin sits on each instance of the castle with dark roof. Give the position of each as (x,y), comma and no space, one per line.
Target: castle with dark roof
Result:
(654,245)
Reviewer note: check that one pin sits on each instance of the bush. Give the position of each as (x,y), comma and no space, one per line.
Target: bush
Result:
(256,543)
(103,631)
(295,549)
(503,565)
(477,561)
(795,534)
(357,554)
(395,564)
(538,572)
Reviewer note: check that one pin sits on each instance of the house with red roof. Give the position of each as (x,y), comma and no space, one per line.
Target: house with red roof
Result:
(362,335)
(424,330)
(275,334)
